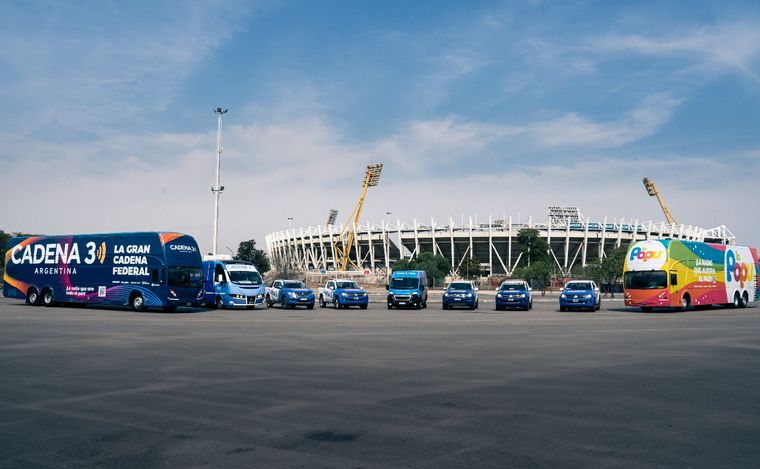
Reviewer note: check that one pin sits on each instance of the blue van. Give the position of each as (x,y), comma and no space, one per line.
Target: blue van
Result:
(231,283)
(407,289)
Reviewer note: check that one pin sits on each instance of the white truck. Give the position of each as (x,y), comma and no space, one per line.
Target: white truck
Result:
(342,293)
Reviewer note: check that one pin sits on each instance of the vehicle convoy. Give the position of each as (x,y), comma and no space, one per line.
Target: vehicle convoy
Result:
(680,274)
(407,289)
(231,283)
(514,294)
(142,270)
(289,294)
(580,294)
(342,293)
(460,293)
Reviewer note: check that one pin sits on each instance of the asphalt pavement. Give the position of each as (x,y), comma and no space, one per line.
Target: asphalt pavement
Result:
(90,387)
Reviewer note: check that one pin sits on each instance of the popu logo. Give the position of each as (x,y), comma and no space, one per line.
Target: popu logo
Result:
(737,271)
(643,255)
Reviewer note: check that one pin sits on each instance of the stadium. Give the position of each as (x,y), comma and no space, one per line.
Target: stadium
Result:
(574,241)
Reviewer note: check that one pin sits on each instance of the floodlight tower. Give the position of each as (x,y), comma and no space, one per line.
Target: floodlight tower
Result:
(217,189)
(346,236)
(652,191)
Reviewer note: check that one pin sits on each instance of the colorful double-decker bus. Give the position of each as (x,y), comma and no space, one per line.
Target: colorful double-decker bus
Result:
(141,270)
(680,274)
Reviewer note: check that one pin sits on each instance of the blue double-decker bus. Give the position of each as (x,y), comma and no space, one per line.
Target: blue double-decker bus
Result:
(142,270)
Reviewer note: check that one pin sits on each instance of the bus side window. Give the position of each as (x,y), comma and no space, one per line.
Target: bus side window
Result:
(673,278)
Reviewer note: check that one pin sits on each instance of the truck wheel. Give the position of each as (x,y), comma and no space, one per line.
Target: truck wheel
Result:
(309,306)
(137,302)
(424,304)
(269,301)
(283,303)
(219,303)
(335,302)
(33,297)
(418,305)
(363,306)
(47,297)
(322,303)
(390,306)
(562,308)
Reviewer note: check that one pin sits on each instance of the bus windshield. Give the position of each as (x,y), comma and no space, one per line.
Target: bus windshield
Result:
(643,280)
(185,276)
(407,283)
(245,277)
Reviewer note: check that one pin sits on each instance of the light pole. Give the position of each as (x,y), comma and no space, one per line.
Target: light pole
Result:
(388,215)
(217,189)
(290,223)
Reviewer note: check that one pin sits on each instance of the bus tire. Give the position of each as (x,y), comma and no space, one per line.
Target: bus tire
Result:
(646,309)
(737,301)
(47,297)
(137,302)
(33,297)
(685,302)
(744,301)
(219,303)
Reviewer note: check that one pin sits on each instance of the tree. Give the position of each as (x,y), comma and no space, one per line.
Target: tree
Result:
(535,247)
(436,267)
(4,238)
(469,268)
(247,252)
(537,273)
(611,268)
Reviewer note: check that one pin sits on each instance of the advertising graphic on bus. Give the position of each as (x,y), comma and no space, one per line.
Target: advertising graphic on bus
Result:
(675,273)
(142,270)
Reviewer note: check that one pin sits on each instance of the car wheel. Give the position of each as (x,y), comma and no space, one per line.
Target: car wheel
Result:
(219,302)
(269,301)
(336,303)
(137,302)
(47,297)
(562,308)
(33,297)
(283,304)
(363,306)
(390,306)
(309,306)
(418,305)
(322,303)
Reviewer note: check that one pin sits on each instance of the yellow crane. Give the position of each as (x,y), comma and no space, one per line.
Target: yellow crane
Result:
(345,240)
(652,191)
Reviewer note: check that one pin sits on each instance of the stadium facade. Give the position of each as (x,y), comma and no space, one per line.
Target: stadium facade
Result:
(574,241)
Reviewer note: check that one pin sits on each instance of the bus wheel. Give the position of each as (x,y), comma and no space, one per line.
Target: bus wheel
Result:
(737,301)
(219,303)
(137,302)
(33,297)
(685,302)
(47,297)
(745,300)
(646,309)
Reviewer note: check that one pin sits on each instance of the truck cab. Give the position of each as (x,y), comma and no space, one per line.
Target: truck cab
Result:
(230,283)
(289,294)
(580,294)
(460,293)
(407,289)
(514,294)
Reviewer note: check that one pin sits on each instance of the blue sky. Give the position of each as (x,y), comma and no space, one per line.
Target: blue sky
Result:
(476,108)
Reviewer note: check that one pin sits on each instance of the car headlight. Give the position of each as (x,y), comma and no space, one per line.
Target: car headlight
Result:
(469,295)
(238,297)
(498,295)
(445,294)
(521,295)
(588,295)
(292,294)
(344,294)
(414,293)
(260,295)
(563,296)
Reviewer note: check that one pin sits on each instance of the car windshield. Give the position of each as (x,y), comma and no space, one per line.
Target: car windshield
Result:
(460,286)
(578,286)
(293,284)
(641,280)
(182,276)
(407,283)
(245,277)
(346,285)
(512,287)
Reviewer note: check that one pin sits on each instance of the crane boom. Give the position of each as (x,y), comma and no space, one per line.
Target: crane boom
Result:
(346,237)
(652,191)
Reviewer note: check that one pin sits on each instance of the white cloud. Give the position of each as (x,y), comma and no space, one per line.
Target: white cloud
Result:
(727,48)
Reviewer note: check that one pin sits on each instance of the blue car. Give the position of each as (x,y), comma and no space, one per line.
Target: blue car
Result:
(460,293)
(514,294)
(230,283)
(580,294)
(289,294)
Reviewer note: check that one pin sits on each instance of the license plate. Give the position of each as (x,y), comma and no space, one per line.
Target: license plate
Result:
(575,301)
(402,302)
(457,299)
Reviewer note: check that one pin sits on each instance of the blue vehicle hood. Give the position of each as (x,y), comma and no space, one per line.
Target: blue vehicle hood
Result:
(350,290)
(577,292)
(460,291)
(297,290)
(397,291)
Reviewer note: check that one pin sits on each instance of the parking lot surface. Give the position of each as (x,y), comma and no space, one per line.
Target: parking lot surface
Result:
(89,387)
